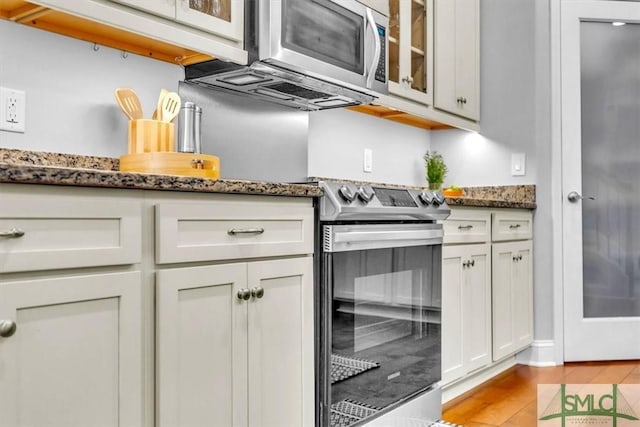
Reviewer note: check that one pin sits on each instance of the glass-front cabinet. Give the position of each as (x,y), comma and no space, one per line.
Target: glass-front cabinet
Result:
(409,49)
(222,17)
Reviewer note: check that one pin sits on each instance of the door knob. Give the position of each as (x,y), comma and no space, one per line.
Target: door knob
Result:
(7,328)
(574,196)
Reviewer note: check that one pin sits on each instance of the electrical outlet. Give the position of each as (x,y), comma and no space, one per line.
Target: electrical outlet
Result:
(13,109)
(367,162)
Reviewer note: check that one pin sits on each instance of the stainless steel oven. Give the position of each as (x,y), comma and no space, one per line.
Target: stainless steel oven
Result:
(380,300)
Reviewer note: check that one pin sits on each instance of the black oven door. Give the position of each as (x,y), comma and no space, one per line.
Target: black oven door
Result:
(381,316)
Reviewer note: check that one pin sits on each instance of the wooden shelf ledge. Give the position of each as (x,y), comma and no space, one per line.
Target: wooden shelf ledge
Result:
(399,116)
(63,23)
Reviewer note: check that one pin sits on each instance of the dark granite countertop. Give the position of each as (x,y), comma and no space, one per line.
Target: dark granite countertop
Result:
(33,167)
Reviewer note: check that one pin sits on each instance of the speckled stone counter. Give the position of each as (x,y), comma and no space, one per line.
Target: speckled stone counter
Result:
(32,167)
(501,196)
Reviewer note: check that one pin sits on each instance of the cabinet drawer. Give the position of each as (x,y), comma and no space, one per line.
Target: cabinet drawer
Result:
(223,230)
(512,225)
(65,230)
(467,226)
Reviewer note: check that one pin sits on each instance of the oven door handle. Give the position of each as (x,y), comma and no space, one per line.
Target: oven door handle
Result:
(345,240)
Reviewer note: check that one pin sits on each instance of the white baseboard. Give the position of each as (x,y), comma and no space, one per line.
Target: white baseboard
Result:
(540,354)
(453,390)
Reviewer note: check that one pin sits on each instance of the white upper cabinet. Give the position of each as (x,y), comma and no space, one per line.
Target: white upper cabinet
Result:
(408,50)
(222,17)
(207,27)
(456,57)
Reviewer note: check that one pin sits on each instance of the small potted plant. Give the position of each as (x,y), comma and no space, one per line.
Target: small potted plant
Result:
(436,169)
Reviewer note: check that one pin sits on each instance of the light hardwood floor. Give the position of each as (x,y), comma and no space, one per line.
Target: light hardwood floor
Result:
(509,400)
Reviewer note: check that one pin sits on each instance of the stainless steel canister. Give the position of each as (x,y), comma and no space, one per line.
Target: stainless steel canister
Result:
(189,128)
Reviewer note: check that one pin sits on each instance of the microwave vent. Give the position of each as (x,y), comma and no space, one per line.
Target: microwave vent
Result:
(298,91)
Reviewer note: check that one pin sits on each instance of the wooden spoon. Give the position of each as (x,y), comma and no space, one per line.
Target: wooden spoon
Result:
(169,107)
(129,102)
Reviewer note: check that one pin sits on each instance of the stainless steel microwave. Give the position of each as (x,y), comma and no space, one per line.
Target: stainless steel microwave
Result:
(309,54)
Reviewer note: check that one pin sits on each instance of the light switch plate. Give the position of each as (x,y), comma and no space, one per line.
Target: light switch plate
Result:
(367,161)
(518,161)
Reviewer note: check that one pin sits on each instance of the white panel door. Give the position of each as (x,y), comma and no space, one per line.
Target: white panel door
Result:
(202,346)
(600,157)
(281,349)
(75,359)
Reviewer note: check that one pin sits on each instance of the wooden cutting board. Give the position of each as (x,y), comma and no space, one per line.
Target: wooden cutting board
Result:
(172,163)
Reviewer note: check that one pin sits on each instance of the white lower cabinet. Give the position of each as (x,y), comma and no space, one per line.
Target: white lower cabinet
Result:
(229,341)
(235,344)
(466,301)
(75,357)
(487,296)
(512,297)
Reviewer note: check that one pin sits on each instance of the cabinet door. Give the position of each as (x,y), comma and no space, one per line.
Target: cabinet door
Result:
(201,346)
(477,300)
(281,350)
(453,283)
(466,305)
(456,57)
(512,297)
(523,281)
(222,17)
(408,49)
(75,358)
(166,8)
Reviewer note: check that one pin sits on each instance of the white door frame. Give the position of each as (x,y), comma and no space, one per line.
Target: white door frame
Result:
(558,192)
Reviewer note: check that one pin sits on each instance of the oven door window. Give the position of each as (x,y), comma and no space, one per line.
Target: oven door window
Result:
(325,31)
(385,321)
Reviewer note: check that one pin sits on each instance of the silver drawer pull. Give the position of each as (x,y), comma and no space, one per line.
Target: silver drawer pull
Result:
(514,226)
(465,227)
(234,231)
(12,234)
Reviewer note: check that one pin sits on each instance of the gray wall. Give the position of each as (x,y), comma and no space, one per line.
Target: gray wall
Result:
(515,118)
(507,71)
(337,139)
(69,87)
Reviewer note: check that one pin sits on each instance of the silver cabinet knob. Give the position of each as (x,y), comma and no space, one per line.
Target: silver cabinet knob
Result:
(574,196)
(7,328)
(408,79)
(257,292)
(244,294)
(12,233)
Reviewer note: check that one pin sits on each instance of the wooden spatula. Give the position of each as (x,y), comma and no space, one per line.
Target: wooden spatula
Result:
(163,93)
(169,107)
(129,102)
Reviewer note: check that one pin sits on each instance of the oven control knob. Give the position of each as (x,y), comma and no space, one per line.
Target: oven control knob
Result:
(365,196)
(426,198)
(346,194)
(438,198)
